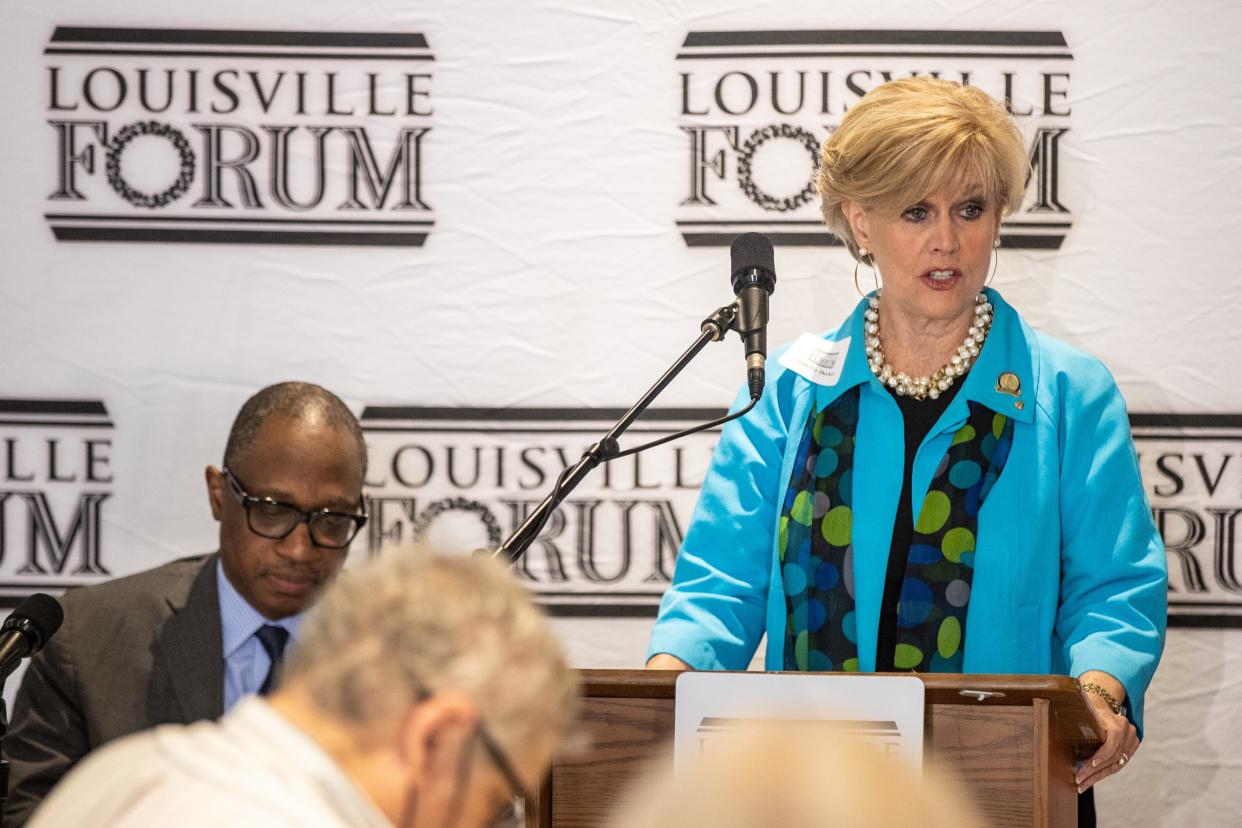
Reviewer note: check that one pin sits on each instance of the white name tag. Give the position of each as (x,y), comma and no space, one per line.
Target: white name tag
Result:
(819,360)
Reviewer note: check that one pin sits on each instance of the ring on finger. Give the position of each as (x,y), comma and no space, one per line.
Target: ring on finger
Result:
(1122,761)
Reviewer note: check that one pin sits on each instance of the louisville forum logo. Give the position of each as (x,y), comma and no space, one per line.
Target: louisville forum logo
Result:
(55,479)
(1192,467)
(756,106)
(462,479)
(236,137)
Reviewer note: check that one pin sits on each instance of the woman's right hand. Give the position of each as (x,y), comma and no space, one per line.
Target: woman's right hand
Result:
(664,661)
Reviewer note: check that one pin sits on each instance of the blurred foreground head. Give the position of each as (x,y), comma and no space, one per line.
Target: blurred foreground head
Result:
(800,780)
(446,667)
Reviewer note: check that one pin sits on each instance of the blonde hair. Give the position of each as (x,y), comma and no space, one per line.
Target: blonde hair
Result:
(410,624)
(909,138)
(775,777)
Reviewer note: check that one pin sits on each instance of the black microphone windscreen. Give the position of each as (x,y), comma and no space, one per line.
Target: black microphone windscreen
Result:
(752,250)
(43,612)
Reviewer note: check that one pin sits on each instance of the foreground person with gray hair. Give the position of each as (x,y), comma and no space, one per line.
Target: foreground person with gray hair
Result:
(425,691)
(801,775)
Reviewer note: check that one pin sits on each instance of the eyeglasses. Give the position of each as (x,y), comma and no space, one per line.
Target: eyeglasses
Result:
(514,814)
(272,519)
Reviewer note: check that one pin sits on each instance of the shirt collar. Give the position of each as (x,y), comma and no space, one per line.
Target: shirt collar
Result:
(1003,376)
(239,620)
(1007,350)
(255,725)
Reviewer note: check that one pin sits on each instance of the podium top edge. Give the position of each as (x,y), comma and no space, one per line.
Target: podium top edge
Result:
(942,688)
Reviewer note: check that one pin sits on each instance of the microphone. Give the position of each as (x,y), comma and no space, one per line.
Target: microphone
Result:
(27,629)
(754,279)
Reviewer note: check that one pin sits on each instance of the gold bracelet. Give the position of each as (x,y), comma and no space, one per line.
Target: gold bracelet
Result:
(1113,704)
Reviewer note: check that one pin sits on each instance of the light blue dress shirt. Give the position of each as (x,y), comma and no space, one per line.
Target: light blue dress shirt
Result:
(1070,571)
(246,663)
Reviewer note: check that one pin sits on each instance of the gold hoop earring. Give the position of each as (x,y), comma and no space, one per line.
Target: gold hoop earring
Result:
(995,262)
(863,254)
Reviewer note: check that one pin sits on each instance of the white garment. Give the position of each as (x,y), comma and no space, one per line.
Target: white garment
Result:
(251,768)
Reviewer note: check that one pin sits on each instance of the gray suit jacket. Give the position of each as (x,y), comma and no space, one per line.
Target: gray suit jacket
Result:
(133,653)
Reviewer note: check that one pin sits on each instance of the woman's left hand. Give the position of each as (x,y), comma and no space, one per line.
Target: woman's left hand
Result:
(1121,740)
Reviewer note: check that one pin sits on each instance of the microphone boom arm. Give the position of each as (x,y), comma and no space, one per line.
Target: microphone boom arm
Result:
(713,329)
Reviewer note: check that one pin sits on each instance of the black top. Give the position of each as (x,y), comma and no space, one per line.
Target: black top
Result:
(918,416)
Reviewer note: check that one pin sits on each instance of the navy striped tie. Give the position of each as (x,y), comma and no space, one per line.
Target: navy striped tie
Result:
(273,638)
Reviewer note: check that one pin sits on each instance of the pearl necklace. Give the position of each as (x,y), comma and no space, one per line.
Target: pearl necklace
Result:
(930,387)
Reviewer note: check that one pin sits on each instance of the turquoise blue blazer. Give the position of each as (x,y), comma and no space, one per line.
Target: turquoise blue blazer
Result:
(1070,571)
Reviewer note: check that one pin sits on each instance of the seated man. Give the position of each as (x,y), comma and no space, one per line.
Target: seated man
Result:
(425,691)
(186,640)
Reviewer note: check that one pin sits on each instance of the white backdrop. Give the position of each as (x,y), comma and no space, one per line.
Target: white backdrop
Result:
(552,161)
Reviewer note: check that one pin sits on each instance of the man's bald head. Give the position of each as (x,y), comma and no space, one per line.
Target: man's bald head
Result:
(295,401)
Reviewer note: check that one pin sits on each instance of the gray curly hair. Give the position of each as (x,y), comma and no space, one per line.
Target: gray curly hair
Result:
(408,624)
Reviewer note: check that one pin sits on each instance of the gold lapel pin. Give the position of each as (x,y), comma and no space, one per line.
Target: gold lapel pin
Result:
(1008,383)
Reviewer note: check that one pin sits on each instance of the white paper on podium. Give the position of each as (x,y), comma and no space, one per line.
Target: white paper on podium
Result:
(883,710)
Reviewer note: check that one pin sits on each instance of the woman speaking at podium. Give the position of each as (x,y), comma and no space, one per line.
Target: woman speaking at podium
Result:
(933,485)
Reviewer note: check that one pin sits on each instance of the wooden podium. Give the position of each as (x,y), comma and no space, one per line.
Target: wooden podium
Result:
(1013,740)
